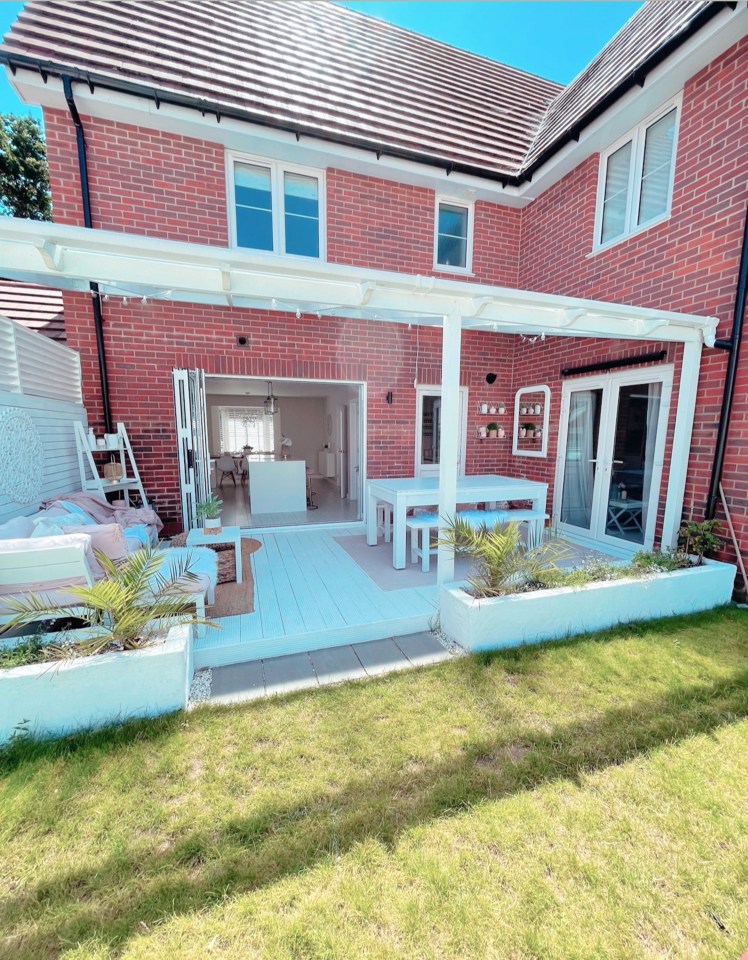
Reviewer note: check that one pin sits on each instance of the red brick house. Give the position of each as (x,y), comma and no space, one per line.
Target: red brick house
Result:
(269,158)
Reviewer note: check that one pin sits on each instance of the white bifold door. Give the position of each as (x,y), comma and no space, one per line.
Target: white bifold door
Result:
(192,441)
(611,456)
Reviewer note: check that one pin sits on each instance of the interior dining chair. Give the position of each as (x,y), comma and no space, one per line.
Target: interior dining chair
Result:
(226,467)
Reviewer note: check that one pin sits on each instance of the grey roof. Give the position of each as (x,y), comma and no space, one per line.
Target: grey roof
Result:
(36,307)
(320,69)
(653,26)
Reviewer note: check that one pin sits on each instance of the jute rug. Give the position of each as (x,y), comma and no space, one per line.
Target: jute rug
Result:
(233,598)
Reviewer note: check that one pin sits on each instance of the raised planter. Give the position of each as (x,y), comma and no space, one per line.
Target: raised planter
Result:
(498,622)
(50,699)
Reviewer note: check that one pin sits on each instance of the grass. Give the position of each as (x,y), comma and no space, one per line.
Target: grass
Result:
(576,800)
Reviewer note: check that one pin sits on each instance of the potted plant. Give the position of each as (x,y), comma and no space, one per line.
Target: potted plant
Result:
(493,429)
(502,409)
(209,511)
(492,409)
(529,430)
(502,433)
(482,432)
(697,539)
(522,433)
(539,432)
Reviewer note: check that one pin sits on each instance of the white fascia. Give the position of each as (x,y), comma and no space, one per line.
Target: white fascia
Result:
(135,266)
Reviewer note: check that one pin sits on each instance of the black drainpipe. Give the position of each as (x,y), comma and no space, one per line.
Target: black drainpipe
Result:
(94,287)
(733,346)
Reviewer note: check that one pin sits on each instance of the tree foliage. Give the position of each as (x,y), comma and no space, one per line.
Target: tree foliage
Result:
(24,175)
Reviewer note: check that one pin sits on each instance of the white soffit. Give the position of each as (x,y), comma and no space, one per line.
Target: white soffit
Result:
(136,266)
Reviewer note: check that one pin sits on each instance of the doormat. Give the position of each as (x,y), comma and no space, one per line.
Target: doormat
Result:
(233,598)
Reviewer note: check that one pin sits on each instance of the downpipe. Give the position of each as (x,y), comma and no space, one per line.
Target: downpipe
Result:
(87,222)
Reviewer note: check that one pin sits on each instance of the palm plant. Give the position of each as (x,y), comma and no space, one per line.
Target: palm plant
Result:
(502,561)
(130,606)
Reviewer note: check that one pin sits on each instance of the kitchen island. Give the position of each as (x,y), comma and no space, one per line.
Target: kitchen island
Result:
(276,486)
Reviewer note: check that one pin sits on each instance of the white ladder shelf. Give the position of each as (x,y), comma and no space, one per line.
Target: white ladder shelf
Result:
(118,448)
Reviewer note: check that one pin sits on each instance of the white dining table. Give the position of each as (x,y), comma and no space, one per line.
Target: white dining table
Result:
(406,492)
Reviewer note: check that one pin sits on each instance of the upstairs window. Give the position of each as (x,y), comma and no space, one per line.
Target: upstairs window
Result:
(636,178)
(277,208)
(454,236)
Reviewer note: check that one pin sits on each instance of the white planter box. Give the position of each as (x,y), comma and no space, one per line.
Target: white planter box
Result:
(49,699)
(498,622)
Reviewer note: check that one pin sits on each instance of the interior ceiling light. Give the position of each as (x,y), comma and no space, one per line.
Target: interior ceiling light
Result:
(271,401)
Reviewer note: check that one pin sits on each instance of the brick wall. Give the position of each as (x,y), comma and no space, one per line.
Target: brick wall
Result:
(164,185)
(145,342)
(688,263)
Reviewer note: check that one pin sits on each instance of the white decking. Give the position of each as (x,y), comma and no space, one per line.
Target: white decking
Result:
(309,594)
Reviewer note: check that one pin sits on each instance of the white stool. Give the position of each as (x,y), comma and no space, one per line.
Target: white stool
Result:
(420,527)
(384,520)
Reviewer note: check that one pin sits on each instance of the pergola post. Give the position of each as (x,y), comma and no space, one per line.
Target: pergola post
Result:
(680,452)
(450,437)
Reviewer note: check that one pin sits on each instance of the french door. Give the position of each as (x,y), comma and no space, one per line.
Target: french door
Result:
(429,428)
(192,441)
(611,455)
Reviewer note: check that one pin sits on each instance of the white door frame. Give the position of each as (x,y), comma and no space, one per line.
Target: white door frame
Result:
(363,425)
(611,383)
(422,390)
(191,411)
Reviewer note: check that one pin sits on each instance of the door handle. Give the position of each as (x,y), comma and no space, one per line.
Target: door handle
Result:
(618,461)
(592,461)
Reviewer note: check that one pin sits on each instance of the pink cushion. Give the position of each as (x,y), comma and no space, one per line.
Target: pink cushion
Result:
(107,537)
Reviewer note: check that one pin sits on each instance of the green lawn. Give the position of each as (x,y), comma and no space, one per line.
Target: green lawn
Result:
(585,799)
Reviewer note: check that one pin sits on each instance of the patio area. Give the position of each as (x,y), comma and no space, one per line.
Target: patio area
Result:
(320,588)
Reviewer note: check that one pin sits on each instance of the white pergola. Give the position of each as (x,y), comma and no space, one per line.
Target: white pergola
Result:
(130,265)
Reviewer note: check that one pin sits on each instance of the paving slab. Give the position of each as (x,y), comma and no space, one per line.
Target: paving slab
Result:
(336,664)
(381,656)
(422,648)
(292,672)
(239,681)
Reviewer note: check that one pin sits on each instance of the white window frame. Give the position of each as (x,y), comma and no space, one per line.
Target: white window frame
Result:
(636,137)
(277,169)
(468,205)
(224,409)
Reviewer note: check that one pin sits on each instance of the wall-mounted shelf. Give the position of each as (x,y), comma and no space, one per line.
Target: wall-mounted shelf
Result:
(493,408)
(537,397)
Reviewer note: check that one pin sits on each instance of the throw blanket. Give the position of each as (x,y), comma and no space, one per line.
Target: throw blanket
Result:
(103,512)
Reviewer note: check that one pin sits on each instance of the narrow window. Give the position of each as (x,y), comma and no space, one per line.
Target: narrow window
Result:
(452,236)
(616,196)
(659,145)
(254,206)
(301,211)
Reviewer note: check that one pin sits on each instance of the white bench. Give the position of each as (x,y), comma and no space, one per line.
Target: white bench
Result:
(420,526)
(535,520)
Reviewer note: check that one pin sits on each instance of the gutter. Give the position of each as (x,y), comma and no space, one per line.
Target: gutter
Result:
(637,78)
(732,345)
(88,223)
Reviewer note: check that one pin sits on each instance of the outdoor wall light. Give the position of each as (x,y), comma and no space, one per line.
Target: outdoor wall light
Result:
(389,396)
(490,378)
(242,341)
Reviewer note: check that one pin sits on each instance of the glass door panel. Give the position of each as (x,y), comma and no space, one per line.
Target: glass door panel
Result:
(634,440)
(580,461)
(429,430)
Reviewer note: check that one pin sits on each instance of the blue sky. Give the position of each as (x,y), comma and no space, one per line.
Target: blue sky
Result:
(555,40)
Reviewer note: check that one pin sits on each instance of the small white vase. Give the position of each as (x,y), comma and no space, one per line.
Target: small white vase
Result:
(212,525)
(537,408)
(484,408)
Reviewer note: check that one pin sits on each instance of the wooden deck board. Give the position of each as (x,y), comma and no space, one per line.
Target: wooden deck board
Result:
(311,594)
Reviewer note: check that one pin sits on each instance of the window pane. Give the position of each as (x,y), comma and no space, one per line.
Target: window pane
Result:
(242,426)
(452,252)
(659,146)
(615,199)
(451,248)
(453,220)
(301,205)
(254,206)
